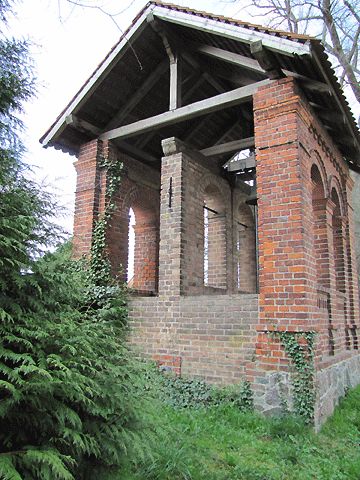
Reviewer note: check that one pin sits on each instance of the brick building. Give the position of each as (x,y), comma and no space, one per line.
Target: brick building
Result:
(237,144)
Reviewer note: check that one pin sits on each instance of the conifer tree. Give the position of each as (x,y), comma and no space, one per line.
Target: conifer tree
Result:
(66,396)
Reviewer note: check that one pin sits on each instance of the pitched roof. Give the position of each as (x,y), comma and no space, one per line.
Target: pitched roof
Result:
(301,54)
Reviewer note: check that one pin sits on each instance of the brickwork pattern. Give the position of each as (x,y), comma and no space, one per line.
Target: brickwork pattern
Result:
(213,335)
(306,256)
(199,324)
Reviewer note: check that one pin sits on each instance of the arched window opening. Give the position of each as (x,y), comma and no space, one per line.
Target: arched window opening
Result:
(214,233)
(320,249)
(245,248)
(338,245)
(206,245)
(143,246)
(131,248)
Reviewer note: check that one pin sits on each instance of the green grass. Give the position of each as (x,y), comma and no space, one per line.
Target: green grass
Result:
(221,442)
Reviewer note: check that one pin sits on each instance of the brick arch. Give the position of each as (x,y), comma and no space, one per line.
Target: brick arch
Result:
(319,196)
(244,213)
(335,185)
(142,202)
(145,203)
(211,186)
(317,162)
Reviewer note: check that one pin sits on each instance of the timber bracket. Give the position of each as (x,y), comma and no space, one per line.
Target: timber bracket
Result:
(267,60)
(173,52)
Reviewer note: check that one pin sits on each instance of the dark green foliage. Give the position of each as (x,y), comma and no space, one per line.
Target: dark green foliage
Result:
(182,392)
(300,350)
(66,400)
(66,394)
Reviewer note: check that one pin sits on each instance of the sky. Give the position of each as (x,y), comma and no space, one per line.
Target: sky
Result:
(68,42)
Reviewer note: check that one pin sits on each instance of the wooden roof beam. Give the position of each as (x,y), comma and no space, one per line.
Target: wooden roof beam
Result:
(267,60)
(242,164)
(172,51)
(136,152)
(193,110)
(196,84)
(253,65)
(229,147)
(82,125)
(230,57)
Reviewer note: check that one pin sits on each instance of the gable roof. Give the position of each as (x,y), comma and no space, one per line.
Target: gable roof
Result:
(139,52)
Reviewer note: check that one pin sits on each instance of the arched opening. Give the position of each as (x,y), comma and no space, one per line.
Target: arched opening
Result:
(338,245)
(321,248)
(131,248)
(245,250)
(214,234)
(321,256)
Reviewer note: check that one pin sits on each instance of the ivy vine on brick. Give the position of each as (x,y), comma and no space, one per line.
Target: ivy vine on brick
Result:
(100,267)
(299,347)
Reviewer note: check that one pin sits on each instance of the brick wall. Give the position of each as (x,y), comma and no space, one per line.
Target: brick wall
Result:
(212,337)
(187,186)
(199,324)
(307,271)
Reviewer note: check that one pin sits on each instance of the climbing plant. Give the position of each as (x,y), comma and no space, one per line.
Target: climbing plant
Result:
(299,347)
(101,281)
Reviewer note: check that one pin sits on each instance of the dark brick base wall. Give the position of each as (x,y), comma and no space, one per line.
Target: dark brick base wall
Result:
(211,337)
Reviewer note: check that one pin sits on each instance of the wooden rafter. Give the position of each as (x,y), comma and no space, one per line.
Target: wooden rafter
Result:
(136,152)
(254,66)
(208,77)
(82,125)
(267,60)
(228,147)
(193,110)
(138,96)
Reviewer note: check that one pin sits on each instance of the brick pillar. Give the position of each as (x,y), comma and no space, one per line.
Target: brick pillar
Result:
(88,196)
(285,255)
(285,233)
(181,260)
(171,245)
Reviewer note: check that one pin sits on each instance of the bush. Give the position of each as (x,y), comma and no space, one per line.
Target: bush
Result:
(66,408)
(66,379)
(185,392)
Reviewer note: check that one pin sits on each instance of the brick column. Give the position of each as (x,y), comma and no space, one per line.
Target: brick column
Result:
(287,286)
(171,245)
(88,196)
(285,255)
(181,259)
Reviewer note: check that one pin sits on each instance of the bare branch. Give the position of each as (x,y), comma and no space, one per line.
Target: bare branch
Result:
(111,16)
(335,22)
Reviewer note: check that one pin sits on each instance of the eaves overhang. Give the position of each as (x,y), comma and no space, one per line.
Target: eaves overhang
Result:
(293,49)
